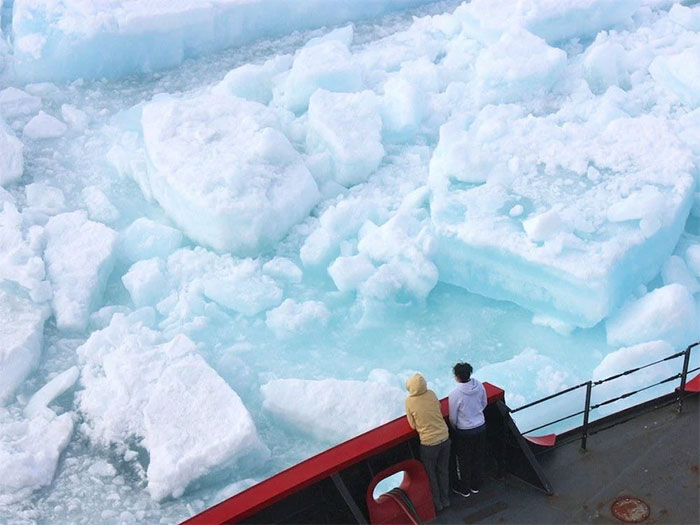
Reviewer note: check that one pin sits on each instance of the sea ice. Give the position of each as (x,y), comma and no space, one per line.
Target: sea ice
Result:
(688,17)
(29,452)
(79,258)
(237,284)
(145,239)
(553,20)
(21,332)
(44,126)
(604,64)
(625,222)
(627,358)
(256,187)
(17,103)
(680,74)
(692,258)
(44,200)
(76,118)
(292,317)
(71,39)
(284,269)
(668,313)
(145,281)
(327,65)
(676,271)
(347,126)
(132,378)
(40,400)
(11,159)
(253,81)
(98,206)
(517,66)
(21,254)
(332,410)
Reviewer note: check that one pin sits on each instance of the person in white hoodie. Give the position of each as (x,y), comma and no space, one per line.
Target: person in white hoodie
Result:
(467,403)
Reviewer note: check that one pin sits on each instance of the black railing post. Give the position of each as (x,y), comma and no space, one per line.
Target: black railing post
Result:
(684,375)
(586,412)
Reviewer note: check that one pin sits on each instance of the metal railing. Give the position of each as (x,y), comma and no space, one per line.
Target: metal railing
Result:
(589,385)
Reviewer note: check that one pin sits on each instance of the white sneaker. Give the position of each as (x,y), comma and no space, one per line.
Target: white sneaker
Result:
(464,494)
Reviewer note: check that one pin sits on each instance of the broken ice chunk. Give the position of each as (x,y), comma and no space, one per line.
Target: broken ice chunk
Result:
(98,206)
(292,317)
(29,452)
(256,185)
(44,126)
(39,402)
(327,65)
(79,259)
(145,281)
(603,235)
(332,410)
(11,159)
(22,329)
(145,239)
(679,74)
(137,385)
(517,66)
(16,103)
(668,313)
(348,126)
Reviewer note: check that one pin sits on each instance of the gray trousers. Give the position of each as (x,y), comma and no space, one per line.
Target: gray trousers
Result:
(436,459)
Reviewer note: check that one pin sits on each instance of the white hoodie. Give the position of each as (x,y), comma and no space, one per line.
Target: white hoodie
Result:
(467,403)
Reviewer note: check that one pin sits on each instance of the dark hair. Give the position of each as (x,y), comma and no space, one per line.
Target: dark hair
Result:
(463,371)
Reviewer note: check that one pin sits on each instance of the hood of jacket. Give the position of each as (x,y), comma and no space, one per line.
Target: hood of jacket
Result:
(471,387)
(416,385)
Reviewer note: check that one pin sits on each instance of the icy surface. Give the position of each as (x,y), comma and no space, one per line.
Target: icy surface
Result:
(69,39)
(21,328)
(257,185)
(29,452)
(668,313)
(612,216)
(136,386)
(11,162)
(330,409)
(269,237)
(79,259)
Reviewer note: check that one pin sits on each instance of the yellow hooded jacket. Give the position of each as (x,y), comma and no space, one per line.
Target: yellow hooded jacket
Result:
(423,412)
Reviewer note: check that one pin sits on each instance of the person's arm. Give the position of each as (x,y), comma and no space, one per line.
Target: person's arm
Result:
(409,416)
(452,404)
(484,401)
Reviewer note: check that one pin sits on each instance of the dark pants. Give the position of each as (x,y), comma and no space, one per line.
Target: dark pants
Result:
(469,448)
(436,459)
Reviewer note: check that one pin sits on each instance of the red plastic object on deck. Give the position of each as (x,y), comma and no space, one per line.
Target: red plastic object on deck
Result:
(548,440)
(278,487)
(416,486)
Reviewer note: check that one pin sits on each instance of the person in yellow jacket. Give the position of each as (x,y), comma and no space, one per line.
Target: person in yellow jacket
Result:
(424,415)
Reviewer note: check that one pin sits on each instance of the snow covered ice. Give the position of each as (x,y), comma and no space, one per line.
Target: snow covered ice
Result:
(230,230)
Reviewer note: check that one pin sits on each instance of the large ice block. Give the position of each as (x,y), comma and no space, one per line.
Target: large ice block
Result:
(21,332)
(553,20)
(11,159)
(348,127)
(224,172)
(29,452)
(79,259)
(137,385)
(565,220)
(68,39)
(680,74)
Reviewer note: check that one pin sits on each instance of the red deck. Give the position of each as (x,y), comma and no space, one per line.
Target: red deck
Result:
(316,468)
